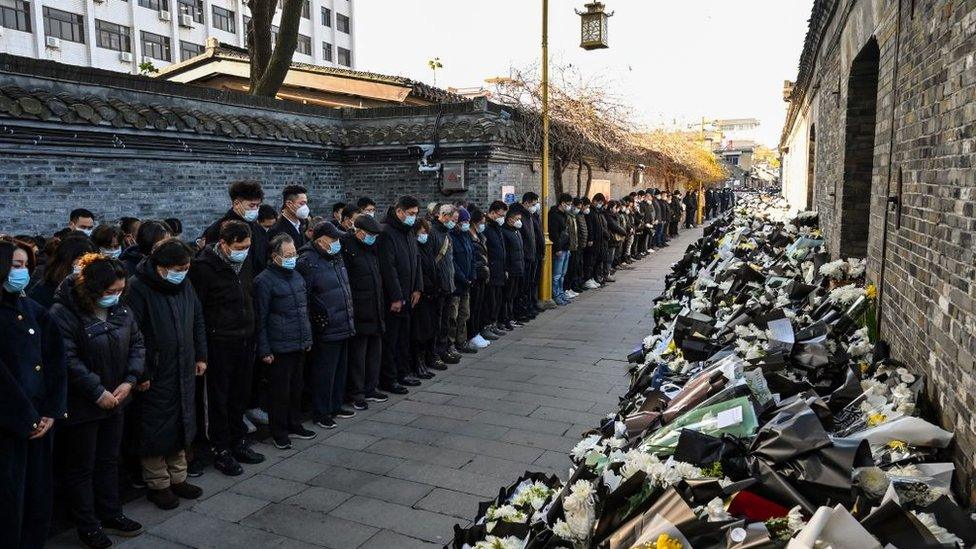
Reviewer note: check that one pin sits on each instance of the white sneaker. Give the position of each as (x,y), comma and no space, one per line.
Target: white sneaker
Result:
(257,415)
(570,294)
(480,342)
(592,284)
(248,425)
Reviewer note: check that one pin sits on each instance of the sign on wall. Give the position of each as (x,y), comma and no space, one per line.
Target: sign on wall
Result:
(508,194)
(452,176)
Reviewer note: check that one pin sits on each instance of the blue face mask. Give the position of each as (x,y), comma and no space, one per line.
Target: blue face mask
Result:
(410,220)
(175,277)
(238,256)
(289,262)
(465,227)
(251,215)
(450,225)
(422,238)
(370,239)
(108,301)
(113,253)
(335,247)
(481,227)
(17,280)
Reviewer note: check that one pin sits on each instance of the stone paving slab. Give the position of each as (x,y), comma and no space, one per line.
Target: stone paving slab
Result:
(402,473)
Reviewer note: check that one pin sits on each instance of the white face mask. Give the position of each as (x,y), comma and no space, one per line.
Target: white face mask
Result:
(302,212)
(500,220)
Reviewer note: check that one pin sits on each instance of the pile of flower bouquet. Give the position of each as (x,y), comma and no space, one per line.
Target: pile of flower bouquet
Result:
(761,412)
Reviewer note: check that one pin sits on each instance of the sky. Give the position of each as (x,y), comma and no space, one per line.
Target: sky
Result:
(673,61)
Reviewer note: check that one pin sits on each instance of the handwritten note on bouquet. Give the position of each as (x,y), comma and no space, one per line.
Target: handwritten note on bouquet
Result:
(727,418)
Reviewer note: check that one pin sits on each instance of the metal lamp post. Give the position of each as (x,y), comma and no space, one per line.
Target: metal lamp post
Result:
(593,35)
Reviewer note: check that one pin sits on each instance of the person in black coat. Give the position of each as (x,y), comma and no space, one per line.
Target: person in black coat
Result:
(105,357)
(294,215)
(284,335)
(514,266)
(171,320)
(149,233)
(559,236)
(369,313)
(526,306)
(33,386)
(223,277)
(59,265)
(402,285)
(497,274)
(246,198)
(599,236)
(330,310)
(691,208)
(425,316)
(479,287)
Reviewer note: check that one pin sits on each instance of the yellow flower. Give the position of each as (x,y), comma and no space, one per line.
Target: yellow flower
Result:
(864,367)
(665,541)
(876,419)
(871,291)
(897,445)
(671,347)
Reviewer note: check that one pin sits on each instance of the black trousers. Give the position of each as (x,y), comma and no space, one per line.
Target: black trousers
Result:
(513,288)
(525,299)
(229,377)
(26,490)
(285,382)
(531,282)
(365,357)
(396,349)
(91,474)
(673,226)
(590,255)
(327,376)
(443,341)
(494,302)
(477,297)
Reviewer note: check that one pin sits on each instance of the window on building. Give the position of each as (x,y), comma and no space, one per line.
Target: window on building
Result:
(224,19)
(345,57)
(189,50)
(274,35)
(112,37)
(156,46)
(193,8)
(306,9)
(15,14)
(327,17)
(327,51)
(342,23)
(64,25)
(158,5)
(304,44)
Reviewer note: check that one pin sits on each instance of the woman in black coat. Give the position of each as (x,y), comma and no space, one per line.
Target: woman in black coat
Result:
(425,316)
(105,359)
(171,320)
(60,264)
(514,265)
(479,288)
(32,396)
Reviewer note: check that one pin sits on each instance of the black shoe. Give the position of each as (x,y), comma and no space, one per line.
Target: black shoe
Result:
(396,389)
(377,396)
(227,464)
(122,526)
(410,381)
(488,335)
(96,539)
(282,443)
(426,375)
(245,454)
(165,499)
(186,490)
(508,326)
(345,413)
(438,364)
(360,405)
(326,423)
(302,433)
(468,348)
(195,468)
(448,358)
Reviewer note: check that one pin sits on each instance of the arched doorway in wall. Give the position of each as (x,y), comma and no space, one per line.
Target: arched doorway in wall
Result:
(811,165)
(862,109)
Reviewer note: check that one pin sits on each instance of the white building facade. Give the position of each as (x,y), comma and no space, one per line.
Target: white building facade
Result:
(121,34)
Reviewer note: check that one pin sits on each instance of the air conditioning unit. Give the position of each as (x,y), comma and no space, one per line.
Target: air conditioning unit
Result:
(186,21)
(125,57)
(53,42)
(164,16)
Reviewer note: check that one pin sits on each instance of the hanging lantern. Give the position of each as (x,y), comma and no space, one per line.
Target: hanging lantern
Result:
(593,26)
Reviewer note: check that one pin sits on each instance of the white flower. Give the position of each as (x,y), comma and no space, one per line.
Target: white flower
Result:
(715,510)
(872,480)
(492,542)
(562,530)
(505,513)
(836,270)
(635,461)
(535,495)
(855,267)
(578,509)
(794,520)
(584,446)
(944,536)
(845,295)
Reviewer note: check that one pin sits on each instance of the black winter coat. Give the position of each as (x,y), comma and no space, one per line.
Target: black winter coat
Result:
(480,248)
(463,251)
(131,257)
(514,256)
(497,255)
(171,320)
(259,239)
(366,283)
(281,312)
(423,318)
(284,226)
(100,354)
(396,248)
(33,378)
(439,236)
(330,308)
(597,225)
(528,233)
(226,296)
(558,229)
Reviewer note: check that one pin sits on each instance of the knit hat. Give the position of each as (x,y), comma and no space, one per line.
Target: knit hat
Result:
(463,215)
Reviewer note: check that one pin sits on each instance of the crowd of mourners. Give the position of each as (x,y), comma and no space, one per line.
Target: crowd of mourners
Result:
(270,317)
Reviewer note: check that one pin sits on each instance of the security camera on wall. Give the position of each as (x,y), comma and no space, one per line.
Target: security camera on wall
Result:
(425,151)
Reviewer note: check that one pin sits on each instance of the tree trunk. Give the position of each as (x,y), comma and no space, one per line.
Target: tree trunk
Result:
(259,39)
(579,179)
(589,177)
(267,81)
(558,167)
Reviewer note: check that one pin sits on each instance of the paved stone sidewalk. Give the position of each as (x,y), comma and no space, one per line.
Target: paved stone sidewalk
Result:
(402,473)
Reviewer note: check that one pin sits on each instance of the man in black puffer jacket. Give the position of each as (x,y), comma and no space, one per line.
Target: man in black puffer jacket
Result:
(222,275)
(402,285)
(497,273)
